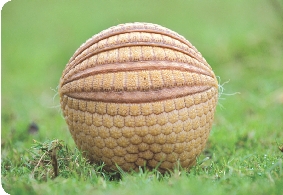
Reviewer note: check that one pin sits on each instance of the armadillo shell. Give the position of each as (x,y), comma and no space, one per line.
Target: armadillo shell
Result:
(139,94)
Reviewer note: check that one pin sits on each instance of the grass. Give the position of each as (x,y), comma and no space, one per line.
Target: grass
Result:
(242,41)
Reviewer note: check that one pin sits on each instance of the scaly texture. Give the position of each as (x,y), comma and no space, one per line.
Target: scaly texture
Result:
(139,94)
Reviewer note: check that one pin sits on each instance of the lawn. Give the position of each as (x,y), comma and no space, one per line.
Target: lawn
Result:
(241,40)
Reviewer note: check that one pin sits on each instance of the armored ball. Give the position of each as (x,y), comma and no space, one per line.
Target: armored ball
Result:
(139,94)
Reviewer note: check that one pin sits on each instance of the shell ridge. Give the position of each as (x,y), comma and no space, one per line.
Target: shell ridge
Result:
(156,65)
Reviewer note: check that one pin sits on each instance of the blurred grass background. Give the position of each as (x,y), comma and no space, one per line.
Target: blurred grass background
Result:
(242,41)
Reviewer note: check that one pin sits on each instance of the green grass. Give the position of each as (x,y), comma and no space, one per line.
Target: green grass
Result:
(241,40)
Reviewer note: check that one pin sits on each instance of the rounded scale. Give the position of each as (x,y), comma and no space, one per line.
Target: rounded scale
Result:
(139,94)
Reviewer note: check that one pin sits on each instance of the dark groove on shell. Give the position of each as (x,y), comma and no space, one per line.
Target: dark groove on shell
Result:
(138,96)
